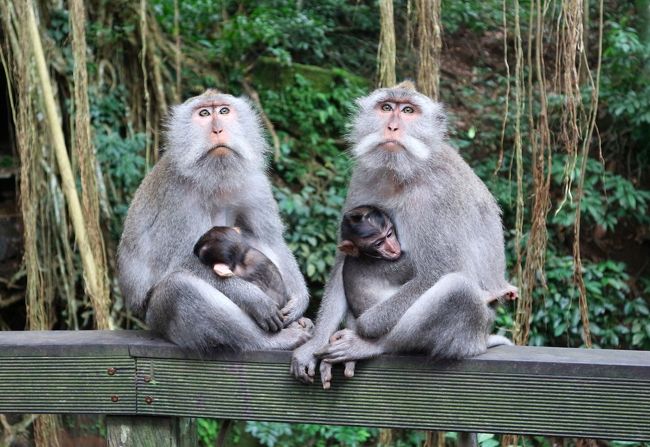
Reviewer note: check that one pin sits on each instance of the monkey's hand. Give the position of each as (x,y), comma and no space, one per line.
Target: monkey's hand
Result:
(292,311)
(303,363)
(266,314)
(346,346)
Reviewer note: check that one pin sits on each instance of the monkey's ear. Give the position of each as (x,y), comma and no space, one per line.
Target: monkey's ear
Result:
(349,248)
(237,229)
(223,270)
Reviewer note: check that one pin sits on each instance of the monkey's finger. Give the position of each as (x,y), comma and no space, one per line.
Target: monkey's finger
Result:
(299,371)
(275,323)
(264,325)
(349,369)
(337,336)
(326,375)
(311,370)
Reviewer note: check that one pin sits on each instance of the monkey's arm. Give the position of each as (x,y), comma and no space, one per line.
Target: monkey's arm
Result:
(332,310)
(250,298)
(265,225)
(134,277)
(295,285)
(383,316)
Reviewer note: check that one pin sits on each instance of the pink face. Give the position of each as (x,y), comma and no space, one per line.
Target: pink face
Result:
(216,118)
(395,115)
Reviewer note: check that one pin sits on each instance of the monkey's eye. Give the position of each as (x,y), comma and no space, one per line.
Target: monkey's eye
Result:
(204,112)
(224,111)
(408,109)
(378,243)
(389,234)
(386,107)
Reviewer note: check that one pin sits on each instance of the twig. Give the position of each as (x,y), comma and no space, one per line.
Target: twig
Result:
(6,302)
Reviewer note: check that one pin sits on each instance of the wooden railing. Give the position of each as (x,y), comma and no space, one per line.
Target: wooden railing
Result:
(135,378)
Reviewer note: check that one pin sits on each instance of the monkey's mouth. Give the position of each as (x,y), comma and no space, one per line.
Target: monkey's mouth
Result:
(220,150)
(391,146)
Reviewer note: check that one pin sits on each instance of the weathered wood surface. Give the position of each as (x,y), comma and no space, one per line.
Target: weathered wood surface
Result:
(552,391)
(125,431)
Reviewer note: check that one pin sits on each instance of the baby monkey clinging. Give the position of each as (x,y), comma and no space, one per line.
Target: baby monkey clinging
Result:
(368,231)
(229,254)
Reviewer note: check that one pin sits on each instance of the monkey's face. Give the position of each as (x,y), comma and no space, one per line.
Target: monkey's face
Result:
(368,231)
(398,130)
(215,134)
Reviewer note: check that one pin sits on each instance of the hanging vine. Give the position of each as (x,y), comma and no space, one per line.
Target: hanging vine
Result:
(429,30)
(386,52)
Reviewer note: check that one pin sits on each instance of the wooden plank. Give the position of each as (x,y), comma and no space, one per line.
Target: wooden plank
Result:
(73,384)
(552,391)
(75,343)
(562,392)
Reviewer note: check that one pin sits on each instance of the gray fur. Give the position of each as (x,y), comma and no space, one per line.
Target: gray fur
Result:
(184,195)
(368,281)
(447,221)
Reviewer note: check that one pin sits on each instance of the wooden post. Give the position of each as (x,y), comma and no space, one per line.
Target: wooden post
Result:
(135,431)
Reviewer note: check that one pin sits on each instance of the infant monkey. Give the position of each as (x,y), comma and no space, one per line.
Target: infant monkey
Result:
(369,239)
(375,266)
(228,253)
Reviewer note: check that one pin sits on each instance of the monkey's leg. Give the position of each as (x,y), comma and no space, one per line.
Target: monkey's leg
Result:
(195,315)
(509,293)
(450,320)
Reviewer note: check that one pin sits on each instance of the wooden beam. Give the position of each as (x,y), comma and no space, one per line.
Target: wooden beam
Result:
(527,390)
(123,431)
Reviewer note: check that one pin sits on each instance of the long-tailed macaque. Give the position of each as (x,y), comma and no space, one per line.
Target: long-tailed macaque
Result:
(229,254)
(375,266)
(449,224)
(211,173)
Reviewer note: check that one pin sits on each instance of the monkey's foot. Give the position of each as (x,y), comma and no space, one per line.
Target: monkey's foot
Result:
(326,372)
(303,323)
(223,270)
(508,293)
(345,346)
(294,335)
(291,311)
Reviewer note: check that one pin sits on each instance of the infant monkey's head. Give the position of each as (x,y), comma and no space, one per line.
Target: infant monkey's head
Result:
(222,248)
(368,231)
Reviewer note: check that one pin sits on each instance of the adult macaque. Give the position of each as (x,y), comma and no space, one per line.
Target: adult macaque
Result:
(448,223)
(229,254)
(375,266)
(212,173)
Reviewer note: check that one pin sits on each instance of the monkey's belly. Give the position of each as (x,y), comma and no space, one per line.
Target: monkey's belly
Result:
(364,293)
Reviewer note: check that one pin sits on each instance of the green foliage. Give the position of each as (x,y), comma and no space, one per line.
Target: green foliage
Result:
(119,153)
(313,170)
(207,431)
(270,434)
(286,30)
(608,199)
(625,92)
(617,319)
(475,16)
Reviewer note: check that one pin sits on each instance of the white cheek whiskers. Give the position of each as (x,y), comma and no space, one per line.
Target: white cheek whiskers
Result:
(415,147)
(367,144)
(412,146)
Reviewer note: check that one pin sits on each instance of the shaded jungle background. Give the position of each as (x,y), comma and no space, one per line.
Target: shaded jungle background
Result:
(549,102)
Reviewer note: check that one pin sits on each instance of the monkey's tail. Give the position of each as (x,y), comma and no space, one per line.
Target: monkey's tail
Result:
(497,340)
